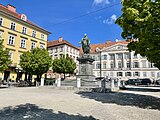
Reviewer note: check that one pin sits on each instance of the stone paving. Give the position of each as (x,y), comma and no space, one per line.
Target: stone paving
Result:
(53,104)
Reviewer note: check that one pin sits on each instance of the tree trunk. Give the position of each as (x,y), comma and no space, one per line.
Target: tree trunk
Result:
(26,73)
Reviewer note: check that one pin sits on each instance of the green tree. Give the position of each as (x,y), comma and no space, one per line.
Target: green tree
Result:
(37,62)
(140,22)
(4,57)
(64,65)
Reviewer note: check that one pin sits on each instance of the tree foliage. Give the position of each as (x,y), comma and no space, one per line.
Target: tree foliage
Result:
(64,65)
(140,20)
(36,62)
(4,57)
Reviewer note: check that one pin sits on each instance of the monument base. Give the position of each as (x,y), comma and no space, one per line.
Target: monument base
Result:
(86,67)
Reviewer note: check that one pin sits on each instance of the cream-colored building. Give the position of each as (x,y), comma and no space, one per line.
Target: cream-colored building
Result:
(57,48)
(20,35)
(118,62)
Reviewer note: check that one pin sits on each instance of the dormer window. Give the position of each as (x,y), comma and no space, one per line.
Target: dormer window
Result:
(24,30)
(1,21)
(24,17)
(42,36)
(33,33)
(13,26)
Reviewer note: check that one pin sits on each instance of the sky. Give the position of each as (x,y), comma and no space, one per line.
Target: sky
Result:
(71,19)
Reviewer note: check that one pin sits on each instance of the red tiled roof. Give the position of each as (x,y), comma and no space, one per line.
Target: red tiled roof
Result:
(58,43)
(17,15)
(101,46)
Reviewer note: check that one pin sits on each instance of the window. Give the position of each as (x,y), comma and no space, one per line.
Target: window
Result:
(136,65)
(128,74)
(119,74)
(33,33)
(119,56)
(104,57)
(144,64)
(144,74)
(1,21)
(152,74)
(33,45)
(11,39)
(112,64)
(98,66)
(128,65)
(42,36)
(23,43)
(136,74)
(111,74)
(13,26)
(158,74)
(24,30)
(119,64)
(56,50)
(127,56)
(70,50)
(41,45)
(104,65)
(61,49)
(112,57)
(67,49)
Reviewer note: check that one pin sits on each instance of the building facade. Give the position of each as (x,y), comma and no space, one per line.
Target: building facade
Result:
(57,48)
(117,62)
(19,35)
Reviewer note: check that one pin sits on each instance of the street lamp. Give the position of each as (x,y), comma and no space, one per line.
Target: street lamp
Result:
(98,50)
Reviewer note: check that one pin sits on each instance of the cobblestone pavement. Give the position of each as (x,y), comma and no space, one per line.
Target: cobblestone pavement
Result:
(52,104)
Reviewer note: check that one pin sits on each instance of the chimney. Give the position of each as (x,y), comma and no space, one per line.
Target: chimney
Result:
(108,41)
(60,39)
(11,8)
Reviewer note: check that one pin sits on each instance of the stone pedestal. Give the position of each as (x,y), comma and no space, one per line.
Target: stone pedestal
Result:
(86,67)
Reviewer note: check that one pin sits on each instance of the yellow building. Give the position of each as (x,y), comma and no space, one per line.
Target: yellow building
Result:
(20,35)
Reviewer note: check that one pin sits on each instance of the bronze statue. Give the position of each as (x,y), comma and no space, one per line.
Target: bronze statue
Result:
(85,44)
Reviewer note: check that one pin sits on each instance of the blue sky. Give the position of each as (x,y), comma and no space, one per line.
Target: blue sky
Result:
(51,14)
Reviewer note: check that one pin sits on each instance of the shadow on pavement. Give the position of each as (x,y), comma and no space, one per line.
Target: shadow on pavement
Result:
(33,112)
(124,99)
(143,89)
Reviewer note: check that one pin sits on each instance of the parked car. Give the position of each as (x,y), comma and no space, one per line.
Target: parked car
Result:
(157,82)
(133,82)
(146,81)
(99,78)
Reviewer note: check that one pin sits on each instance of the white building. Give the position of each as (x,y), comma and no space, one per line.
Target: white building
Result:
(118,62)
(57,48)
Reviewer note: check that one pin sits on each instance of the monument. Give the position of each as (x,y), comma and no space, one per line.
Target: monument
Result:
(85,60)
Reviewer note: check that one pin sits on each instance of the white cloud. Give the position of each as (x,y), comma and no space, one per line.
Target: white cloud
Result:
(100,2)
(110,20)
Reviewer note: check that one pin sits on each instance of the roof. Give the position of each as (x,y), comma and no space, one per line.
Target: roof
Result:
(60,42)
(104,45)
(4,9)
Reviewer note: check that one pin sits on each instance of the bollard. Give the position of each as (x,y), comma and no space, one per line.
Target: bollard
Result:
(119,83)
(59,82)
(112,85)
(42,82)
(78,82)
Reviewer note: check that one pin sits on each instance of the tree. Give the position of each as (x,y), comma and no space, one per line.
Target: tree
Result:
(4,57)
(37,62)
(64,65)
(140,22)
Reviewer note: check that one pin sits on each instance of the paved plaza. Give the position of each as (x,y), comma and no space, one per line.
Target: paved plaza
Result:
(52,104)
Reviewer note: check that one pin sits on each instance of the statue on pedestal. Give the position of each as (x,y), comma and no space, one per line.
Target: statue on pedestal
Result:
(85,44)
